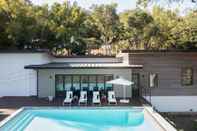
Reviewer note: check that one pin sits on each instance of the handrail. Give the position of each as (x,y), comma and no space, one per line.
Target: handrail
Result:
(147,93)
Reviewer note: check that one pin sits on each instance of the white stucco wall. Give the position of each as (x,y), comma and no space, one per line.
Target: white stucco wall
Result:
(174,103)
(14,79)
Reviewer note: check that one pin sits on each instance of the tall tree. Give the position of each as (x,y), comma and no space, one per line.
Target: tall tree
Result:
(67,21)
(19,24)
(141,30)
(185,33)
(106,21)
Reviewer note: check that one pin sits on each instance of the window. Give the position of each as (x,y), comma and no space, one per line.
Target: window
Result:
(100,82)
(92,82)
(136,80)
(153,80)
(76,82)
(187,76)
(108,86)
(84,82)
(67,82)
(59,83)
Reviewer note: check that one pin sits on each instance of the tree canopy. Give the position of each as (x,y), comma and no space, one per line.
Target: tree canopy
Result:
(69,29)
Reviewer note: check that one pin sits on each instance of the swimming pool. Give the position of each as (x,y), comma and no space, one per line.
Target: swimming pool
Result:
(81,119)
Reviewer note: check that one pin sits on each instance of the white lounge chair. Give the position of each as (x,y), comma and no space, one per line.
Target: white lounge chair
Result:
(111,97)
(69,98)
(83,97)
(96,98)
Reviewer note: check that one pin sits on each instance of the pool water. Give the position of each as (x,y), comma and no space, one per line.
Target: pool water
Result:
(79,119)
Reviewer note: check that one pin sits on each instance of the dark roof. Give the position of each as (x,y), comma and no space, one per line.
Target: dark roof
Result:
(159,51)
(77,65)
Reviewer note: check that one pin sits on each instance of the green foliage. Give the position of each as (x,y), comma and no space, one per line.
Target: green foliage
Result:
(106,21)
(67,28)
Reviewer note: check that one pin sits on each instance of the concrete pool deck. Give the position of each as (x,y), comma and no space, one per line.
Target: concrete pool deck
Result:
(9,105)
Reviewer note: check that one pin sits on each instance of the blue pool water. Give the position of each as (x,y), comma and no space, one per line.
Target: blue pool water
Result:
(79,119)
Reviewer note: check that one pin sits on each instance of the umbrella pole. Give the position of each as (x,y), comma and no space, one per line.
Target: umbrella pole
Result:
(124,92)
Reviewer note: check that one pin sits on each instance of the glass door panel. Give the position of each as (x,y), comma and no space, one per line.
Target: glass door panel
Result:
(84,82)
(100,82)
(67,82)
(59,85)
(76,82)
(108,86)
(92,82)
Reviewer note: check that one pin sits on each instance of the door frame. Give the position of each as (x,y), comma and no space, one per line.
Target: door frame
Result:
(136,91)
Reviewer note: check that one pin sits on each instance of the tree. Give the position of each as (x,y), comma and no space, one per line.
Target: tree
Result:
(186,32)
(67,22)
(106,21)
(145,3)
(67,29)
(141,30)
(18,25)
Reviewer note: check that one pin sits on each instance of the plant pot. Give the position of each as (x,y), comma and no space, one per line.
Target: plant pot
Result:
(50,98)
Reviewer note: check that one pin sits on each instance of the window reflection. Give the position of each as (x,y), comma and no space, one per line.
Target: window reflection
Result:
(100,82)
(83,82)
(59,83)
(68,82)
(76,82)
(92,82)
(107,85)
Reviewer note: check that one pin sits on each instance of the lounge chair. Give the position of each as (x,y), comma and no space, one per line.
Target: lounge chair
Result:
(69,98)
(83,97)
(96,98)
(111,97)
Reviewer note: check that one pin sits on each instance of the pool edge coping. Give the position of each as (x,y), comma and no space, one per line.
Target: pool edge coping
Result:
(164,124)
(156,116)
(10,117)
(7,119)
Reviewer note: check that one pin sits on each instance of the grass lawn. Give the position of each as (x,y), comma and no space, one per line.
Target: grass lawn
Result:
(183,122)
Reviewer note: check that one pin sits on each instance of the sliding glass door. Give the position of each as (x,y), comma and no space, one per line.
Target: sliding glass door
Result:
(79,82)
(59,85)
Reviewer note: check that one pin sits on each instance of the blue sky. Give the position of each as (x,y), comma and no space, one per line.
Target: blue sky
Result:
(122,4)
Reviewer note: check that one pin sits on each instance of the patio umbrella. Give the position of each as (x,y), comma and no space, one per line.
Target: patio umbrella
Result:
(123,82)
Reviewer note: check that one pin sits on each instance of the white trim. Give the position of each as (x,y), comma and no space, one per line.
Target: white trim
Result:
(2,123)
(166,126)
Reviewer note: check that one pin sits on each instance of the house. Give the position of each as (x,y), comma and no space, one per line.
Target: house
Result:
(169,77)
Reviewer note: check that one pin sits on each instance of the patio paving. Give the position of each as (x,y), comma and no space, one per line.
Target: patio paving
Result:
(8,105)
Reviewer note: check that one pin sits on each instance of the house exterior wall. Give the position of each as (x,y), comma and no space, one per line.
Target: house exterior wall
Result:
(46,86)
(14,79)
(174,103)
(170,95)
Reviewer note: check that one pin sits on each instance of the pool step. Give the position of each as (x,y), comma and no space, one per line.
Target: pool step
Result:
(25,123)
(15,121)
(20,122)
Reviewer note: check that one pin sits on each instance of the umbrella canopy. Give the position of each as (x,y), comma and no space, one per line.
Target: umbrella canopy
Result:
(123,82)
(120,81)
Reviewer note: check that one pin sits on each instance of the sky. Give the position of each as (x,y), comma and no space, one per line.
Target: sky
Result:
(122,4)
